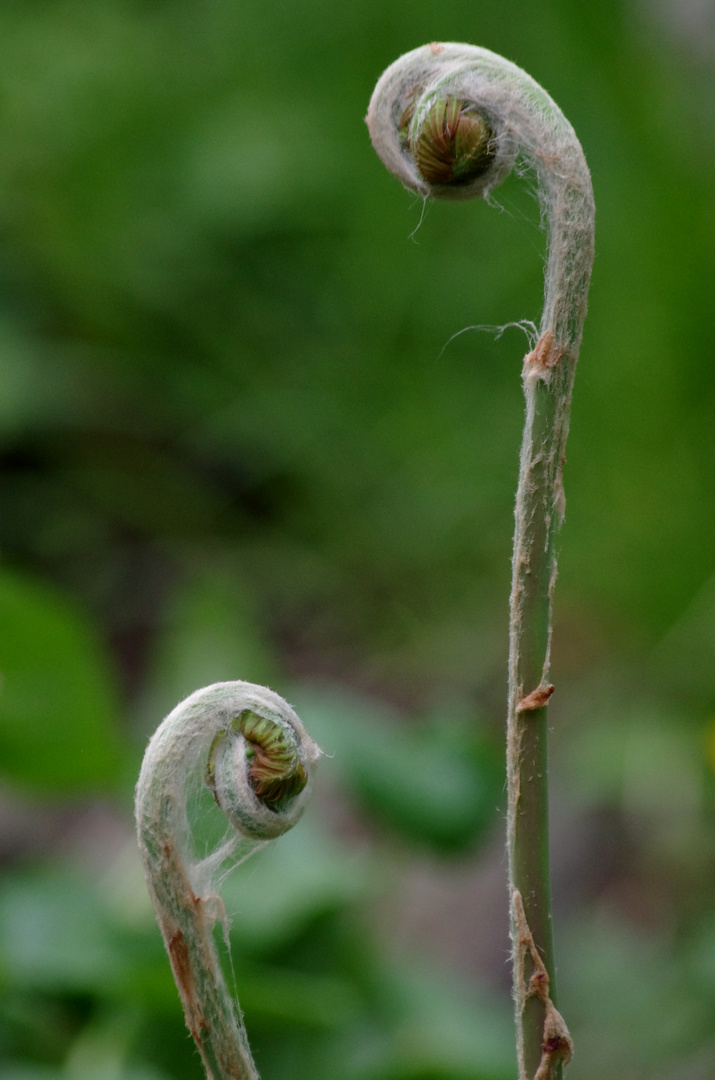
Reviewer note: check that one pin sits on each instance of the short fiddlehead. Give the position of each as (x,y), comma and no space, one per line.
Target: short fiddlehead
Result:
(450,121)
(251,750)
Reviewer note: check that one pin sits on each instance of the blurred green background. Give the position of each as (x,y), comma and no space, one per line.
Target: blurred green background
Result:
(239,441)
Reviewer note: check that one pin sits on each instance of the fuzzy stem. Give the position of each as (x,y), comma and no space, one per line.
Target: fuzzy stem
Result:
(538,514)
(252,751)
(450,121)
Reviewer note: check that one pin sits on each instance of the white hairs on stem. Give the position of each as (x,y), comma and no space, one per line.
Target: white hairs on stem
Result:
(527,327)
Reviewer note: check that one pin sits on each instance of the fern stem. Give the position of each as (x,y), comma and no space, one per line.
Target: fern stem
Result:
(450,121)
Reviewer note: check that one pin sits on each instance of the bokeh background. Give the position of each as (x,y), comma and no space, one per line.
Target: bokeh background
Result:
(239,440)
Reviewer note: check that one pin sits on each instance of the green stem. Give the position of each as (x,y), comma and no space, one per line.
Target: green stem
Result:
(538,516)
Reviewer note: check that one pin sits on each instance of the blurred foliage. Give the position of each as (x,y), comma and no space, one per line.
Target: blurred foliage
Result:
(239,439)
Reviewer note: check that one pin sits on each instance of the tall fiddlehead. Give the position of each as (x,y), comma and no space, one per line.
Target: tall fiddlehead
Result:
(251,750)
(450,121)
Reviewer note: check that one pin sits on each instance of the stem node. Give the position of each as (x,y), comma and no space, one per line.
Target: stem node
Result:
(537,699)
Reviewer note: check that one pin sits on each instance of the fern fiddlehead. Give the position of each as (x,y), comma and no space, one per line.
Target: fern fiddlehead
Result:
(253,753)
(450,121)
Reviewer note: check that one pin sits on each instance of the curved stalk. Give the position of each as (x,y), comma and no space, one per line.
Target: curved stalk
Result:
(252,751)
(450,121)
